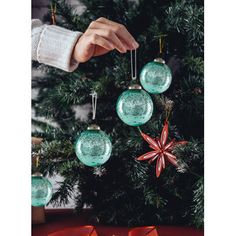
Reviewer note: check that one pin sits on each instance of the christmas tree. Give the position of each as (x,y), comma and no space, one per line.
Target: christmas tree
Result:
(125,191)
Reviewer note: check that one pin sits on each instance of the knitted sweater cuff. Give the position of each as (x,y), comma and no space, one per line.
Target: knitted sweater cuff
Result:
(56,46)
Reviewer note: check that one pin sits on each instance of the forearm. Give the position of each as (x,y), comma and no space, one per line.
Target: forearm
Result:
(53,45)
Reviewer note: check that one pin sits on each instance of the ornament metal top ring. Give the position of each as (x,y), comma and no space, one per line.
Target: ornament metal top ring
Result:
(135,86)
(37,174)
(160,60)
(93,127)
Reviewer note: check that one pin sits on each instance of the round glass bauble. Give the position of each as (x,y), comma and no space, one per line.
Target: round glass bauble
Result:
(156,77)
(41,190)
(93,147)
(134,106)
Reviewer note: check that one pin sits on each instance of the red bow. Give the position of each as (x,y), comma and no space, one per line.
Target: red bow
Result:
(87,230)
(162,150)
(144,231)
(90,231)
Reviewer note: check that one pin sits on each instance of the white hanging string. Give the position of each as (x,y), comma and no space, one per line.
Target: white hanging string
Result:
(94,103)
(133,67)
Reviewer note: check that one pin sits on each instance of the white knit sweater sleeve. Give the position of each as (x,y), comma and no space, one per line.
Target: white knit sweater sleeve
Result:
(53,45)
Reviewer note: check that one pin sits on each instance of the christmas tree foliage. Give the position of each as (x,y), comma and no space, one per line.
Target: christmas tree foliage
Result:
(125,191)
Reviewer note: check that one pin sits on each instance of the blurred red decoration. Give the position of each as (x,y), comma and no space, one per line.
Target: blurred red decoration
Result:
(87,230)
(144,231)
(162,150)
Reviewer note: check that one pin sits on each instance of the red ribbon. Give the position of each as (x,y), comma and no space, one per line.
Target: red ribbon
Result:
(87,230)
(143,231)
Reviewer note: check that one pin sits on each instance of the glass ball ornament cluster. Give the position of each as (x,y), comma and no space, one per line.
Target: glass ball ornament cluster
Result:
(93,147)
(41,190)
(134,106)
(156,76)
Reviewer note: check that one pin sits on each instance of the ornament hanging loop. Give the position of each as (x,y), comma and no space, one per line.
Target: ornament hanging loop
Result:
(94,103)
(169,107)
(53,12)
(133,64)
(161,42)
(161,45)
(37,162)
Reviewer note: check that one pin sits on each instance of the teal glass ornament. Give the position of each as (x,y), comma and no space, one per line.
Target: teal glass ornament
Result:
(156,76)
(134,106)
(41,190)
(93,147)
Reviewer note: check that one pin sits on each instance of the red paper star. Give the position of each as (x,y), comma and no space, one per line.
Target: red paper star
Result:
(161,150)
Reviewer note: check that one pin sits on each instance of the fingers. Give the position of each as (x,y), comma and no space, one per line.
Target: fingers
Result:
(100,41)
(121,31)
(90,45)
(114,32)
(110,37)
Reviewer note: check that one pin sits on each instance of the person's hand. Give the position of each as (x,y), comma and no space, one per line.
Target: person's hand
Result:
(101,37)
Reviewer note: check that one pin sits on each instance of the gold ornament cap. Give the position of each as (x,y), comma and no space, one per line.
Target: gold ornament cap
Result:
(160,60)
(37,174)
(135,86)
(93,127)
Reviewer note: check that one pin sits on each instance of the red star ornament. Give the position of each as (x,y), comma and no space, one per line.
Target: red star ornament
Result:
(162,150)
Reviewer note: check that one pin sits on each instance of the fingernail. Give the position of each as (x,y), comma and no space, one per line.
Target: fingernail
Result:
(124,49)
(135,45)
